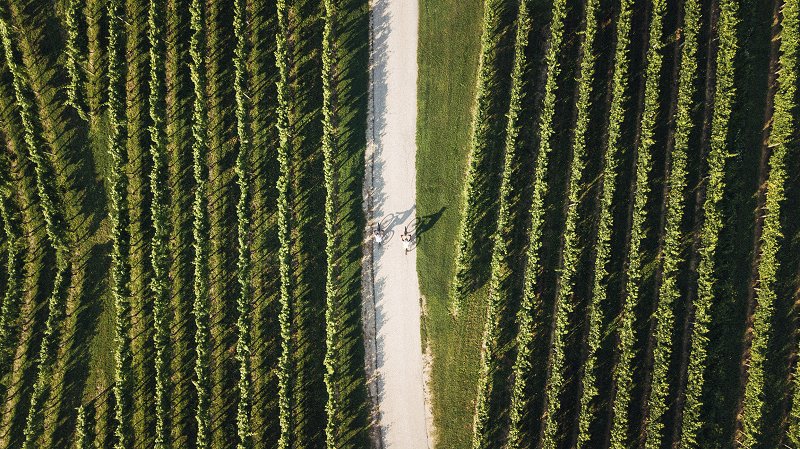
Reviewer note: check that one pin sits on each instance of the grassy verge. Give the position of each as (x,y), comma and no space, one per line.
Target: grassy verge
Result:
(449,42)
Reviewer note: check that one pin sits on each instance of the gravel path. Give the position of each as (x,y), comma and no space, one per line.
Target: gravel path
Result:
(392,298)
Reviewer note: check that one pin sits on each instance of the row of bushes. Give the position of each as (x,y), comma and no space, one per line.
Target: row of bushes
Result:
(781,136)
(482,129)
(602,244)
(522,365)
(200,226)
(159,210)
(120,265)
(13,294)
(330,152)
(570,252)
(74,60)
(285,134)
(712,223)
(623,371)
(243,213)
(500,263)
(671,249)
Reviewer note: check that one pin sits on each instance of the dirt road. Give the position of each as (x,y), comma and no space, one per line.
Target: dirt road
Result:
(392,303)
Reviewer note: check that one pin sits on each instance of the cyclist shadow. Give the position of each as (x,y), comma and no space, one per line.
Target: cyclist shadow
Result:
(423,224)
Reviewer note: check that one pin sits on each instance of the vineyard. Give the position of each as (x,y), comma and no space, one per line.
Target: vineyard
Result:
(617,186)
(181,223)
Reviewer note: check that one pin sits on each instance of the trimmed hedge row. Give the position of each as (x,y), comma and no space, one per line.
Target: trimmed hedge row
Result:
(499,263)
(712,223)
(780,138)
(671,258)
(602,246)
(563,306)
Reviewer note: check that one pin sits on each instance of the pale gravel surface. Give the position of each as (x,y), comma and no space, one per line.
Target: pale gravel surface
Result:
(392,299)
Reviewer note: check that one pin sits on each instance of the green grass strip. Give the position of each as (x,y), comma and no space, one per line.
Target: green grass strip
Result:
(500,265)
(159,210)
(671,258)
(780,138)
(570,252)
(201,226)
(623,371)
(712,223)
(482,129)
(522,364)
(605,223)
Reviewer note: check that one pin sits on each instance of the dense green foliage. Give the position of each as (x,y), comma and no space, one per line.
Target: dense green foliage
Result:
(285,364)
(570,252)
(500,264)
(602,244)
(671,256)
(712,225)
(119,230)
(623,371)
(55,227)
(244,308)
(780,137)
(522,363)
(75,58)
(330,151)
(482,129)
(201,224)
(159,255)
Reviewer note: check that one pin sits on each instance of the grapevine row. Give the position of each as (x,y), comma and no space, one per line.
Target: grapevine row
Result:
(570,252)
(330,151)
(159,256)
(13,293)
(243,227)
(55,227)
(712,224)
(500,264)
(780,138)
(668,291)
(482,129)
(605,225)
(120,265)
(522,364)
(285,362)
(200,226)
(82,440)
(74,60)
(622,376)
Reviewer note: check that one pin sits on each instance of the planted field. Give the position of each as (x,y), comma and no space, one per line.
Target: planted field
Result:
(637,285)
(181,223)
